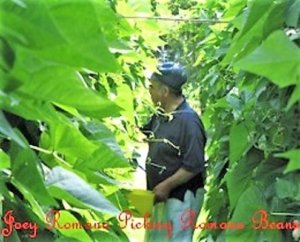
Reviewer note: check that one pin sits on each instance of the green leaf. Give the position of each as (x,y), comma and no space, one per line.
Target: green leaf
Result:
(285,189)
(28,108)
(96,177)
(80,190)
(55,31)
(59,193)
(7,130)
(103,157)
(68,140)
(31,199)
(239,177)
(4,160)
(250,201)
(24,162)
(294,98)
(277,59)
(238,142)
(294,160)
(256,11)
(61,84)
(261,19)
(293,14)
(234,8)
(7,56)
(273,167)
(112,25)
(125,101)
(4,179)
(83,38)
(66,217)
(108,154)
(106,237)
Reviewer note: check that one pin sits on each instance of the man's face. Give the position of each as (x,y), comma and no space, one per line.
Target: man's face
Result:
(156,92)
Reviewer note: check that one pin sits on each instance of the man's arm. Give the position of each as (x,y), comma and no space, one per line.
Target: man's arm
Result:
(193,159)
(163,189)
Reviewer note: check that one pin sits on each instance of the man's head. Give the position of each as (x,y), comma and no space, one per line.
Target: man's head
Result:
(167,83)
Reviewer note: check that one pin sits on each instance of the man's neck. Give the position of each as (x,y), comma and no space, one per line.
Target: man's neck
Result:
(173,103)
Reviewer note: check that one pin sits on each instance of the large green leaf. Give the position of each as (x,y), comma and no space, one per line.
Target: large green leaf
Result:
(107,237)
(55,30)
(234,8)
(249,203)
(25,170)
(239,177)
(112,25)
(4,179)
(288,187)
(80,190)
(125,100)
(7,130)
(238,142)
(102,158)
(274,167)
(284,189)
(293,156)
(293,14)
(97,177)
(35,207)
(4,160)
(295,97)
(29,24)
(261,18)
(65,217)
(255,12)
(28,108)
(277,59)
(108,154)
(62,85)
(7,56)
(68,140)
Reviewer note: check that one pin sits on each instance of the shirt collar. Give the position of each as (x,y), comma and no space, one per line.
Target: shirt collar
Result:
(181,105)
(168,117)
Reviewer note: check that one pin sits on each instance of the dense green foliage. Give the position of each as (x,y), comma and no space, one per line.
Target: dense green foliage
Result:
(247,75)
(70,72)
(71,82)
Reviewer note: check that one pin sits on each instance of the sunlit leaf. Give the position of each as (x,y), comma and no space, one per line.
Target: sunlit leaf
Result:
(80,190)
(294,160)
(66,218)
(4,160)
(55,27)
(261,19)
(277,59)
(65,89)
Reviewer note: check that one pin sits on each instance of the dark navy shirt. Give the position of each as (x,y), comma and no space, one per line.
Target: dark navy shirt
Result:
(175,141)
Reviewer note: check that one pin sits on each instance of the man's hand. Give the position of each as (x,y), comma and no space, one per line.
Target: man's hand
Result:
(163,189)
(161,192)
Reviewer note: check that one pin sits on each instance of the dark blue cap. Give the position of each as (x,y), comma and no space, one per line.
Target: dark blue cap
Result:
(171,74)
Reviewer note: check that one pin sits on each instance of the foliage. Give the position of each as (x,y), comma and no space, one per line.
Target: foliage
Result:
(70,75)
(245,73)
(72,82)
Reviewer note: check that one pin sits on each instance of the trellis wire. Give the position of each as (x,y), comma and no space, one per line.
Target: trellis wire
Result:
(194,20)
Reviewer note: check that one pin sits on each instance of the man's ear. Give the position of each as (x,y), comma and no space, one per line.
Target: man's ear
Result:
(165,90)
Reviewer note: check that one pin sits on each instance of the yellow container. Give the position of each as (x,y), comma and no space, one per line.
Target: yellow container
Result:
(142,200)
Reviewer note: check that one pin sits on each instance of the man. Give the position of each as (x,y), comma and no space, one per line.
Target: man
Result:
(176,136)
